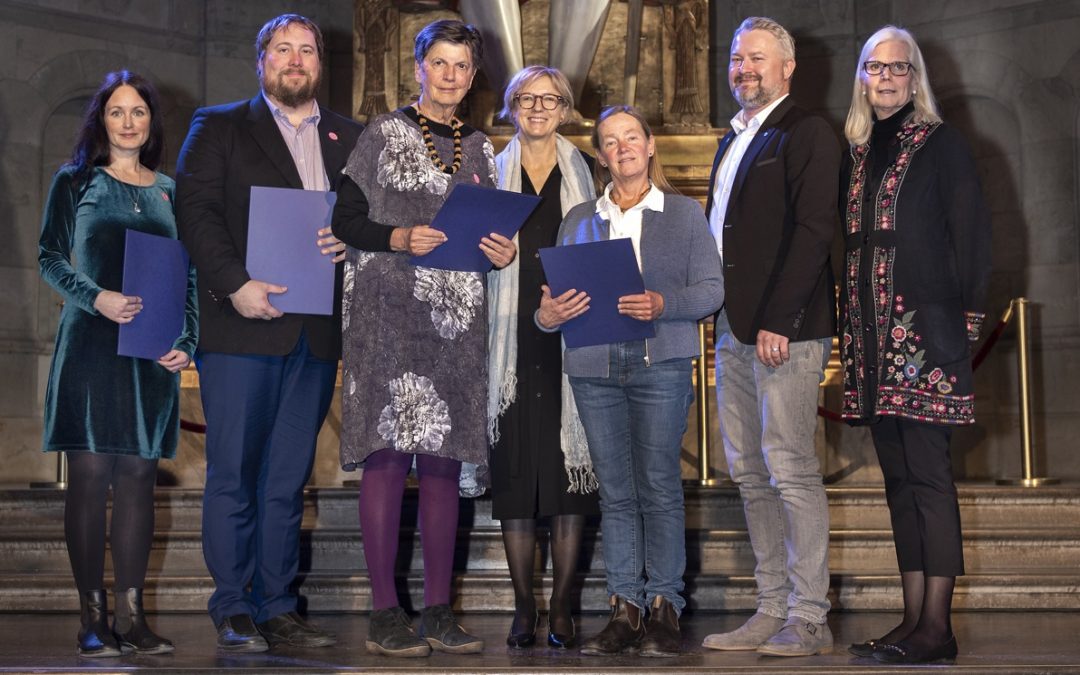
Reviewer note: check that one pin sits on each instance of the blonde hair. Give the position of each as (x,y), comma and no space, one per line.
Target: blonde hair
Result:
(656,170)
(860,118)
(527,76)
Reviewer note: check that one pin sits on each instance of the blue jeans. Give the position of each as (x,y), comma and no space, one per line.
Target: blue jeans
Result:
(768,417)
(634,420)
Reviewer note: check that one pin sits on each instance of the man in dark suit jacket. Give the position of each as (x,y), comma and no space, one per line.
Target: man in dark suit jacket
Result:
(773,211)
(267,378)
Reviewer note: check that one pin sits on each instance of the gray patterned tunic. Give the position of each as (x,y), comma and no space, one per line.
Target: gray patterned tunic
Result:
(414,361)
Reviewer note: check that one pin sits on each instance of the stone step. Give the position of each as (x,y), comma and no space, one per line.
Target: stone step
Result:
(982,506)
(1052,589)
(339,551)
(1022,548)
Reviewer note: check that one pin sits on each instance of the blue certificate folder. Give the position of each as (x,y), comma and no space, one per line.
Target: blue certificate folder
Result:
(470,213)
(156,270)
(283,225)
(606,271)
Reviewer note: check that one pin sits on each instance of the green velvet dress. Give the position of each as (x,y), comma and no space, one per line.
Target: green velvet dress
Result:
(97,401)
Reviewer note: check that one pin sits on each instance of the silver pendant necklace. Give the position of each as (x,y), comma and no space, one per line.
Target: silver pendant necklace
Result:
(133,192)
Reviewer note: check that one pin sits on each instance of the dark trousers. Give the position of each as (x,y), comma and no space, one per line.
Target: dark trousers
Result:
(922,497)
(263,415)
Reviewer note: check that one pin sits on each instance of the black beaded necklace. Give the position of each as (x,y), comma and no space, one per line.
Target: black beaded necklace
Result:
(455,124)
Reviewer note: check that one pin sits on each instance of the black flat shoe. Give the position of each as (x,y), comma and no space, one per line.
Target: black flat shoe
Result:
(526,639)
(865,649)
(238,634)
(903,653)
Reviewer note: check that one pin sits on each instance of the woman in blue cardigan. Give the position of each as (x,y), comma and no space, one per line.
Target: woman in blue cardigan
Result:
(633,397)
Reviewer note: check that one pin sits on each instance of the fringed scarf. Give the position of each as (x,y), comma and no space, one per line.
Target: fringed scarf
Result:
(503,288)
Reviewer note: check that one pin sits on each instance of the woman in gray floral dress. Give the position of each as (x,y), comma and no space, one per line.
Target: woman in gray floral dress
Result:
(415,338)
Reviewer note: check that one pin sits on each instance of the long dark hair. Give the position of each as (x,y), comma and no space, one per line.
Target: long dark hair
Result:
(92,146)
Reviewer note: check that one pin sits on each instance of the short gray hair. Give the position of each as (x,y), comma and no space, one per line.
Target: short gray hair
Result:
(452,31)
(787,43)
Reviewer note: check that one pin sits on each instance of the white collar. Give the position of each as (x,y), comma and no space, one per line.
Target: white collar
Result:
(653,200)
(739,126)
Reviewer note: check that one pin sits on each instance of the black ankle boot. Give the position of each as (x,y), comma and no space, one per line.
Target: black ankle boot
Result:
(129,624)
(95,638)
(622,634)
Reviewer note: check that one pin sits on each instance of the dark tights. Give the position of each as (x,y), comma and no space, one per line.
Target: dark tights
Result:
(519,540)
(132,530)
(927,611)
(381,488)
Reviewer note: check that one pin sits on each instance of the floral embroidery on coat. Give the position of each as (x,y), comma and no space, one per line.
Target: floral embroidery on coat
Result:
(908,389)
(905,387)
(416,415)
(455,298)
(404,164)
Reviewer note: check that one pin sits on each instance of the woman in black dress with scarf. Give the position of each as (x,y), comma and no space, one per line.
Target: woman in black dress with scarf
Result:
(540,463)
(917,267)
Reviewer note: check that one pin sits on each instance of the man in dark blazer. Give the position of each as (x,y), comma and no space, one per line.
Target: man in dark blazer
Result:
(267,378)
(773,211)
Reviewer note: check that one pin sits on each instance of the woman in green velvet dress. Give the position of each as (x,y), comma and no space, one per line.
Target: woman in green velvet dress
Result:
(114,416)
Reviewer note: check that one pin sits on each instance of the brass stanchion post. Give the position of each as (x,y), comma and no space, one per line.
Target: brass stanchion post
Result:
(1023,361)
(705,478)
(61,475)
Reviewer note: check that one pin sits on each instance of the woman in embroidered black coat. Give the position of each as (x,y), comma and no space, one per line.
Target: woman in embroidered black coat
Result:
(917,263)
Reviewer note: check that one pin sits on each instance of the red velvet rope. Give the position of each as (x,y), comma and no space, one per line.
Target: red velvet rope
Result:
(188,425)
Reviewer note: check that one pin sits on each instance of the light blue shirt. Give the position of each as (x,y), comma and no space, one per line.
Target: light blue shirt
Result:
(303,143)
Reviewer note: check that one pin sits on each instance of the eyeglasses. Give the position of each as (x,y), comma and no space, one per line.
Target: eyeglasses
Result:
(897,68)
(548,101)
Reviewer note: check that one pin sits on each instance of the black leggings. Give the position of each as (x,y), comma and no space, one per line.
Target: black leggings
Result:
(131,533)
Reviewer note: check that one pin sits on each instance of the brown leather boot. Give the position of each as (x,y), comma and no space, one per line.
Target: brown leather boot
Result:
(622,634)
(662,636)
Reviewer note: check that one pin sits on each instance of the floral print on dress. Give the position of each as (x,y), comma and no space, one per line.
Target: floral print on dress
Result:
(416,416)
(404,164)
(348,282)
(356,262)
(489,155)
(455,298)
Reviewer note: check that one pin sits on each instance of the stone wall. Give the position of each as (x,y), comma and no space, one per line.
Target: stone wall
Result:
(1007,73)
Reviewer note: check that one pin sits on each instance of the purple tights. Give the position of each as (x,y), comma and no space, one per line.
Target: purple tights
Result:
(381,488)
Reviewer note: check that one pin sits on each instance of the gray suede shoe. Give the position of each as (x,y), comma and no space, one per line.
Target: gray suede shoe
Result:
(746,637)
(442,632)
(799,637)
(390,633)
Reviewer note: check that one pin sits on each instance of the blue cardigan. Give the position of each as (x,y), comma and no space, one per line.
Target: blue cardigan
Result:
(679,261)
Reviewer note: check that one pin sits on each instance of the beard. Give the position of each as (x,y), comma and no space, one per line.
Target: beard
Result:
(291,96)
(754,98)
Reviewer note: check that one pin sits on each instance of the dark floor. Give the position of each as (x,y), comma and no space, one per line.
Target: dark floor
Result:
(990,642)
